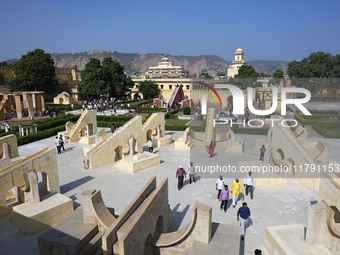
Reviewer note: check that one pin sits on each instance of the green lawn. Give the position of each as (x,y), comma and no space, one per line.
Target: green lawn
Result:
(176,122)
(325,124)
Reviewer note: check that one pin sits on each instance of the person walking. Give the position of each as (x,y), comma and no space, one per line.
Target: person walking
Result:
(224,197)
(61,142)
(219,186)
(243,215)
(262,151)
(236,190)
(57,144)
(248,183)
(180,174)
(191,171)
(150,146)
(211,149)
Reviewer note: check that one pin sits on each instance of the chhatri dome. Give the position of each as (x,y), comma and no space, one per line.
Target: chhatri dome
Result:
(239,51)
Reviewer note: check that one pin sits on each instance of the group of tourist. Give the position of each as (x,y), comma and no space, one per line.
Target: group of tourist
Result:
(243,212)
(59,143)
(181,174)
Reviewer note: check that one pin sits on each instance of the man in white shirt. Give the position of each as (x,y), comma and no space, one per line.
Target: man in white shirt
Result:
(57,144)
(150,145)
(248,183)
(219,186)
(191,171)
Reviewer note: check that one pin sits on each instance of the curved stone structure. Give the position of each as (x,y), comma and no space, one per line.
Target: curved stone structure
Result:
(95,211)
(44,161)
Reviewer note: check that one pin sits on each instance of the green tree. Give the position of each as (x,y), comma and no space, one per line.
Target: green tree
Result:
(220,74)
(149,89)
(246,71)
(206,75)
(316,65)
(278,74)
(35,71)
(107,78)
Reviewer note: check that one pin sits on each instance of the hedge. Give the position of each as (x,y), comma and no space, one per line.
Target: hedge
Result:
(106,124)
(54,123)
(114,118)
(133,103)
(4,133)
(186,110)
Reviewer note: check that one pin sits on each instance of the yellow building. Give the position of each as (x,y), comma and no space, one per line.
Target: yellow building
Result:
(237,63)
(166,85)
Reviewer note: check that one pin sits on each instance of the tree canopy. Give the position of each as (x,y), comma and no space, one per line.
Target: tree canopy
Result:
(246,71)
(149,89)
(316,65)
(278,74)
(106,78)
(35,71)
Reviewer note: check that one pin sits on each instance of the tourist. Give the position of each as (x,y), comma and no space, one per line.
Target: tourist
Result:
(236,190)
(5,115)
(258,252)
(115,109)
(7,127)
(61,142)
(248,183)
(243,213)
(224,197)
(191,171)
(112,128)
(219,186)
(150,146)
(180,174)
(262,151)
(57,144)
(211,149)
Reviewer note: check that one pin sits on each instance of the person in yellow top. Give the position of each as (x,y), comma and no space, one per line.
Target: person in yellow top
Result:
(236,190)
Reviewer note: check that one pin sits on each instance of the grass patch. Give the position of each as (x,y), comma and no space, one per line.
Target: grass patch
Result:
(325,125)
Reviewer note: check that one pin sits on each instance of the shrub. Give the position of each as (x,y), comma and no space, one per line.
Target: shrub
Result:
(186,110)
(114,118)
(56,122)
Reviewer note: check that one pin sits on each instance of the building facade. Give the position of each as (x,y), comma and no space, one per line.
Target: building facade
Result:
(237,63)
(166,68)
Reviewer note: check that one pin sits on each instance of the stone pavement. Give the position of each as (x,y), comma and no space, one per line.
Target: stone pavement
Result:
(272,205)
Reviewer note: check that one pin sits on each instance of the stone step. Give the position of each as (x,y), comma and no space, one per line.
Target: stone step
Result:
(65,235)
(92,246)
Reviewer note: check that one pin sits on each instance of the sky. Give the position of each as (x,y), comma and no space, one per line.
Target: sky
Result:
(265,29)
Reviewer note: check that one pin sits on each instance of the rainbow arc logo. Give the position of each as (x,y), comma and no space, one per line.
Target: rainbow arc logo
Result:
(210,94)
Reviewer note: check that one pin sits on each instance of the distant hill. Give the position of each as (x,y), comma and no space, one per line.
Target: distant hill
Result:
(211,64)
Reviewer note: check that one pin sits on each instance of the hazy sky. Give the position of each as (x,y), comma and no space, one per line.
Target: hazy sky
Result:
(265,29)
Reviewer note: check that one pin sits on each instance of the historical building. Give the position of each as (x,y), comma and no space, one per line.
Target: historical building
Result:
(166,68)
(237,63)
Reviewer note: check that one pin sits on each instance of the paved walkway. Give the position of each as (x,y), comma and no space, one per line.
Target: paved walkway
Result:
(272,205)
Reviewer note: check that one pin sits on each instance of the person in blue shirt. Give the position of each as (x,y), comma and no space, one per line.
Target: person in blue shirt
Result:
(243,213)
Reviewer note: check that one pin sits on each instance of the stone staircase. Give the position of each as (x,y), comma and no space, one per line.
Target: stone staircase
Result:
(76,126)
(173,95)
(80,238)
